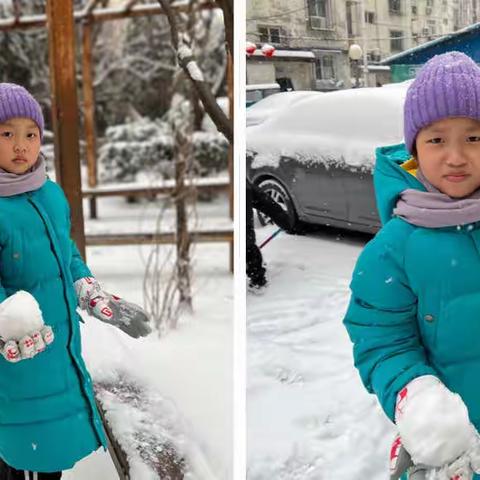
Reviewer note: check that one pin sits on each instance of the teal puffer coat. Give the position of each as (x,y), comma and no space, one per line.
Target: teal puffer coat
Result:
(48,416)
(415,305)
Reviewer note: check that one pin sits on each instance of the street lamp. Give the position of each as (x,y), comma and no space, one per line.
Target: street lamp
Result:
(355,53)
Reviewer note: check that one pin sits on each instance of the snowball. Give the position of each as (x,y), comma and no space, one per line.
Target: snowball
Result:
(20,315)
(434,424)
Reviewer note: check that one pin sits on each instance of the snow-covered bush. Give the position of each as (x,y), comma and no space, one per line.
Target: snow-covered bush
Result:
(210,150)
(147,146)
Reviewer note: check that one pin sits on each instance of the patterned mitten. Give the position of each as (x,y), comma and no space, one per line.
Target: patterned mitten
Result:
(23,333)
(28,346)
(108,308)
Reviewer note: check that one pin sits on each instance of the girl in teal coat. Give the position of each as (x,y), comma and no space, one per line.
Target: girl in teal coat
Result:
(48,416)
(414,314)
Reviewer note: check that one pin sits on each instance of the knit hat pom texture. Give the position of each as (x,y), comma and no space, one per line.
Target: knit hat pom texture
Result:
(17,102)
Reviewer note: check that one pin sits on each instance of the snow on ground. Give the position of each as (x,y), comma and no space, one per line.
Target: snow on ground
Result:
(186,376)
(308,415)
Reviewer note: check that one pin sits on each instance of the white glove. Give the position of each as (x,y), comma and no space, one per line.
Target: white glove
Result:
(434,425)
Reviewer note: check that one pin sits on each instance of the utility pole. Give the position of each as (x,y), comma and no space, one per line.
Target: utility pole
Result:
(364,43)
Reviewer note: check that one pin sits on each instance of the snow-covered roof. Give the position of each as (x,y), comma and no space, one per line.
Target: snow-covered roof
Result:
(263,86)
(379,68)
(288,54)
(431,43)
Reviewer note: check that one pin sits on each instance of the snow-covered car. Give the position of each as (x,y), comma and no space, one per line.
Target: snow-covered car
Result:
(271,105)
(256,92)
(316,157)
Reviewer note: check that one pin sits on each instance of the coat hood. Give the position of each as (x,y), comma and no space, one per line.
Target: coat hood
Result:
(390,179)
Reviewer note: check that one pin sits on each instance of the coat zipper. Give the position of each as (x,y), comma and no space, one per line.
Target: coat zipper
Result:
(65,296)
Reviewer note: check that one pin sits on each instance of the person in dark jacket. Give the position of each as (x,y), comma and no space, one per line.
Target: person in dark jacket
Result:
(261,201)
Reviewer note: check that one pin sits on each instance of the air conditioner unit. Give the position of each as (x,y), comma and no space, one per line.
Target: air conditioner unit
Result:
(428,11)
(318,23)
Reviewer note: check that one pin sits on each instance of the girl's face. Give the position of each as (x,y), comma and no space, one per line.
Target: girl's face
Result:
(19,145)
(448,152)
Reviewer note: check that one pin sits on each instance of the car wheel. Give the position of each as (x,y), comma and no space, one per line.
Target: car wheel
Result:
(279,194)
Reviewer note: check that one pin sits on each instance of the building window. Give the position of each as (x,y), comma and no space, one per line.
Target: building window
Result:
(432,27)
(445,21)
(429,3)
(317,8)
(374,55)
(395,6)
(270,34)
(414,10)
(318,13)
(370,17)
(325,67)
(396,41)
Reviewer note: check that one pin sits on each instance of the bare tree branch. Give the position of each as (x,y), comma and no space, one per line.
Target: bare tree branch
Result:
(186,60)
(90,7)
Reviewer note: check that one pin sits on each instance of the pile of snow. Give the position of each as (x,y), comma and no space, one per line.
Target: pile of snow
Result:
(342,127)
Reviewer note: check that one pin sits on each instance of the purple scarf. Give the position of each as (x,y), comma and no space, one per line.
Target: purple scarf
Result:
(433,209)
(13,184)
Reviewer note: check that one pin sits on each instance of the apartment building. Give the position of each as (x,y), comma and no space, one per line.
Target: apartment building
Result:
(317,27)
(312,37)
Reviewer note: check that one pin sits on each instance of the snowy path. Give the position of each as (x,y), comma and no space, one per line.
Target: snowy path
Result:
(308,415)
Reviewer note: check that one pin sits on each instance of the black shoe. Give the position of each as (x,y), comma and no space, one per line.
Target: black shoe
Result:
(257,283)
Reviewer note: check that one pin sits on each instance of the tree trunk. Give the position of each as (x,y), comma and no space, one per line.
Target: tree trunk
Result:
(227,8)
(183,123)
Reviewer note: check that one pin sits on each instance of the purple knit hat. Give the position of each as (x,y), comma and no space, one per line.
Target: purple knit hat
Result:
(448,85)
(16,101)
